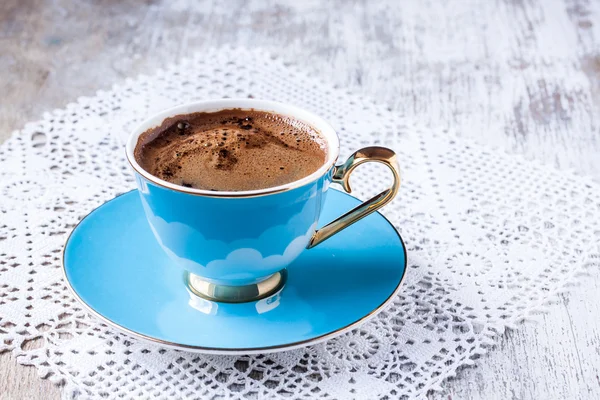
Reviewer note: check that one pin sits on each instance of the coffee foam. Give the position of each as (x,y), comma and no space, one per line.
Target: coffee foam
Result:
(231,150)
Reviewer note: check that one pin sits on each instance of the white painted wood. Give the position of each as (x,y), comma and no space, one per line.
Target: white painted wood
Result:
(523,75)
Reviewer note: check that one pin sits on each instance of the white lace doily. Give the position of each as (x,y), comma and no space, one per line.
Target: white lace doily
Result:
(491,240)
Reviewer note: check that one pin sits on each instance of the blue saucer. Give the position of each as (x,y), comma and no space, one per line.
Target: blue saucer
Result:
(115,267)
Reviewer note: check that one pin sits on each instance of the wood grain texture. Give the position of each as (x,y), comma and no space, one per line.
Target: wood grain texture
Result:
(23,383)
(522,75)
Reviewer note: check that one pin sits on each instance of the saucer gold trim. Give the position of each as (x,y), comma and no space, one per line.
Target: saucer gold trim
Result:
(233,351)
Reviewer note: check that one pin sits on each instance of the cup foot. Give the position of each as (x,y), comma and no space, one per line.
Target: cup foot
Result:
(236,294)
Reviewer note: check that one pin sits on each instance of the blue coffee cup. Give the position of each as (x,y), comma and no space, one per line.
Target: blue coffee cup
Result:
(235,246)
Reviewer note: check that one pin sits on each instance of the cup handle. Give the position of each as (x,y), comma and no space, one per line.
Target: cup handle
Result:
(341,175)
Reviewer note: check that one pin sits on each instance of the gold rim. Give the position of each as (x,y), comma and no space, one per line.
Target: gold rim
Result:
(226,195)
(315,121)
(230,351)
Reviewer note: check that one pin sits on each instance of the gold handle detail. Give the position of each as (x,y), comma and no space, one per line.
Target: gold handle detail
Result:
(341,175)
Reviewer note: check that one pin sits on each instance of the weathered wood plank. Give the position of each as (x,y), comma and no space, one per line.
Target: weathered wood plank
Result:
(553,358)
(521,75)
(23,383)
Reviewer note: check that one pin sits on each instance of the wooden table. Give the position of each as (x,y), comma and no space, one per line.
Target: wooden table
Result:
(522,76)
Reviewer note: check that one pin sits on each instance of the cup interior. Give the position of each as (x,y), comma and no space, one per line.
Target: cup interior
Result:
(318,123)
